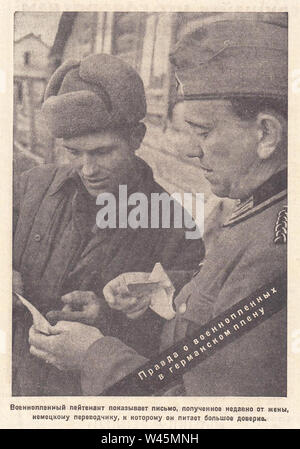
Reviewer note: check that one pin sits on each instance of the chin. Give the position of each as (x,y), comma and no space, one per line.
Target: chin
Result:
(93,193)
(219,191)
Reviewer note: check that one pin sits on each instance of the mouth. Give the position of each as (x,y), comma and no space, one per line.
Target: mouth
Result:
(95,181)
(206,170)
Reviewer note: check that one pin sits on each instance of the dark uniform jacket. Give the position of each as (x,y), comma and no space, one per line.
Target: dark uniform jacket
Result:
(58,249)
(247,252)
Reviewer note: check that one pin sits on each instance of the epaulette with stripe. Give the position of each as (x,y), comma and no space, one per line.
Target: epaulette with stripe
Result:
(271,192)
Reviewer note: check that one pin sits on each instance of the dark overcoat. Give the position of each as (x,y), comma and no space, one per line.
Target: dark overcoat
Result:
(58,249)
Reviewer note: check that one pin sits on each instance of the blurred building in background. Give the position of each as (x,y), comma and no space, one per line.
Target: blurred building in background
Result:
(31,137)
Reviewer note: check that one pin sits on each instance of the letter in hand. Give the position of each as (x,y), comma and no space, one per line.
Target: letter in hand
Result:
(121,294)
(66,346)
(134,292)
(82,306)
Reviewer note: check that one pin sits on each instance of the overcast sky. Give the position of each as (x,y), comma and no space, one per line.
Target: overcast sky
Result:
(43,23)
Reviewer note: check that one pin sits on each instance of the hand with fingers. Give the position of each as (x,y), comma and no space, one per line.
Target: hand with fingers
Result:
(119,297)
(66,346)
(82,306)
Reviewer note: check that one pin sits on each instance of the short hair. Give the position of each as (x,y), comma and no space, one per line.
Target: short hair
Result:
(247,108)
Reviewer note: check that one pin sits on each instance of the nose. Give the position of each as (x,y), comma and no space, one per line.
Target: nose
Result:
(197,152)
(193,149)
(190,144)
(89,165)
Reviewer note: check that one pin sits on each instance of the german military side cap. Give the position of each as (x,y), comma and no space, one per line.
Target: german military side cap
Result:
(241,56)
(99,92)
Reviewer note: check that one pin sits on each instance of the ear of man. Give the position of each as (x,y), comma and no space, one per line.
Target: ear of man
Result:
(271,134)
(137,134)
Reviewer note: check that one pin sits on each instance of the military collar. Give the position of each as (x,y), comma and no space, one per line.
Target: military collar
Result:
(270,192)
(64,174)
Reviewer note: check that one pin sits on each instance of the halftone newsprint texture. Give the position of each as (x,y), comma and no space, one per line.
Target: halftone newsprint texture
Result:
(149,214)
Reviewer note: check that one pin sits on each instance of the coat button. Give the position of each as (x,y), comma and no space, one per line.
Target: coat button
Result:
(37,238)
(182,308)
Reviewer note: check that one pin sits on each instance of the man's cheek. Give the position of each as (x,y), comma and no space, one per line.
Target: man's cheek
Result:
(222,147)
(217,158)
(76,163)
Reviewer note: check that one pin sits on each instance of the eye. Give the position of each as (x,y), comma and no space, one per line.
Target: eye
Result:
(73,152)
(201,134)
(204,134)
(198,130)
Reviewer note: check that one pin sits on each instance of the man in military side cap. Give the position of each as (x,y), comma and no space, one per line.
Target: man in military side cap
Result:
(234,77)
(62,260)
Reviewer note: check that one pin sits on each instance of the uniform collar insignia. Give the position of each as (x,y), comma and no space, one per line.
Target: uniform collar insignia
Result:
(270,192)
(280,229)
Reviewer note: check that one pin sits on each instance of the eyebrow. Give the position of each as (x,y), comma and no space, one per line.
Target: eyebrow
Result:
(104,148)
(198,125)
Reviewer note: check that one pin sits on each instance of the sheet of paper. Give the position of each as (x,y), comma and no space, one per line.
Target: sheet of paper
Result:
(157,287)
(162,302)
(39,321)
